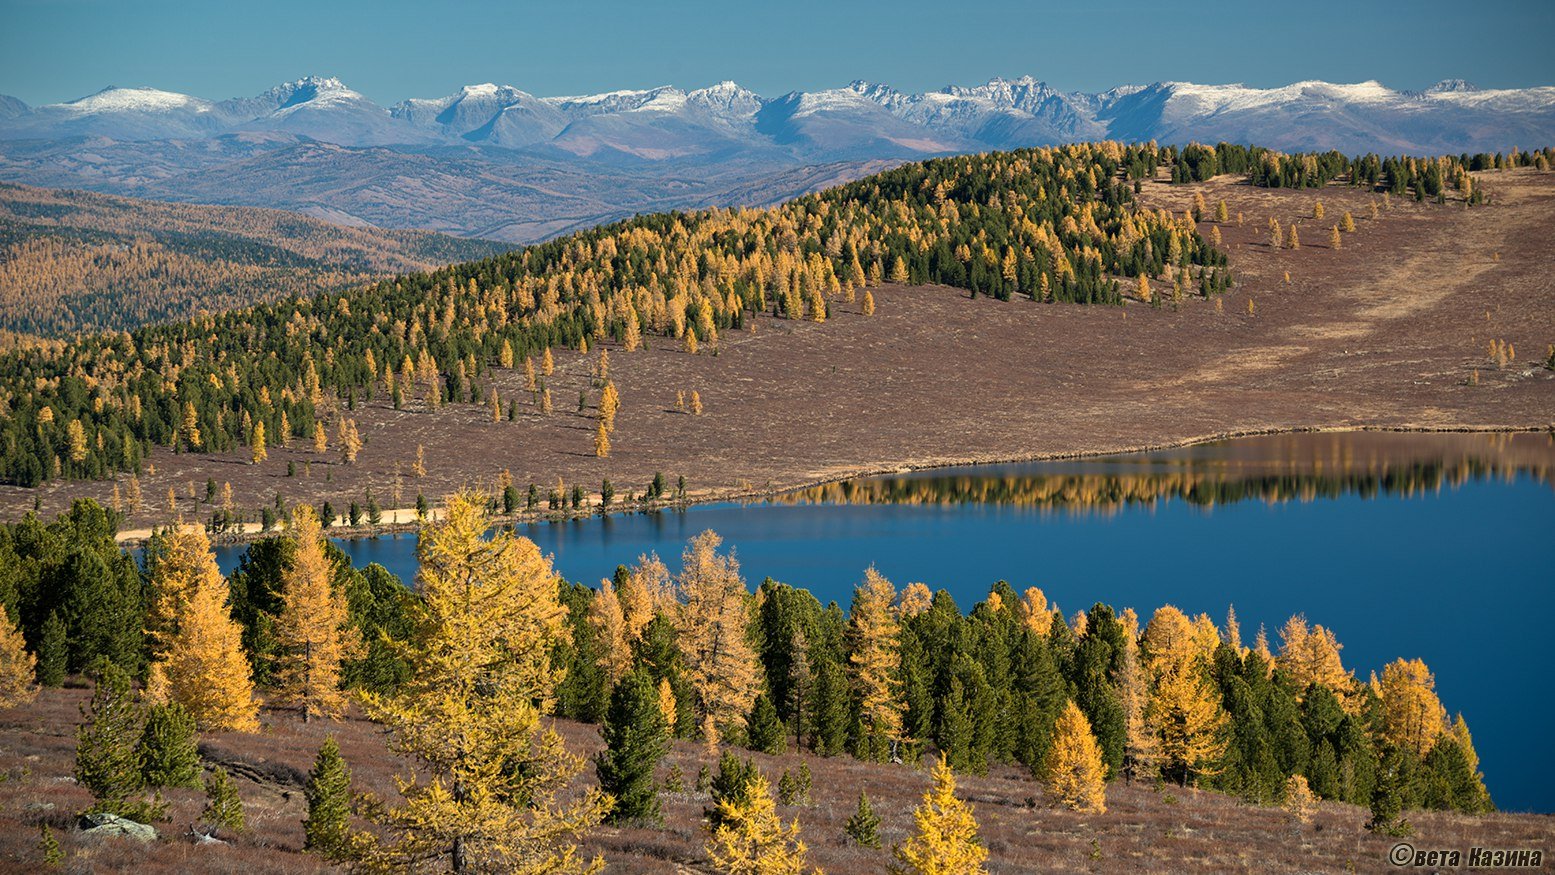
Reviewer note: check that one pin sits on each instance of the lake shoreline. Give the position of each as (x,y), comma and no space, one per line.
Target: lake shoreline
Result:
(135,538)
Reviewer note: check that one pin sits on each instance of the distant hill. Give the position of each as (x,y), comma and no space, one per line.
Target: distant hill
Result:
(75,261)
(497,162)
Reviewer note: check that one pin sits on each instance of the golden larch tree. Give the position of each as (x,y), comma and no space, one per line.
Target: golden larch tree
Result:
(875,662)
(320,438)
(18,668)
(1412,716)
(646,590)
(313,631)
(914,600)
(75,435)
(1184,711)
(1034,612)
(205,669)
(256,444)
(1141,747)
(350,441)
(1075,774)
(713,624)
(608,620)
(601,440)
(945,842)
(751,839)
(180,561)
(1310,655)
(667,705)
(487,794)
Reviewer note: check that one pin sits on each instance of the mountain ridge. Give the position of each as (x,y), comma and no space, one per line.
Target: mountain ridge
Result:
(495,161)
(1001,113)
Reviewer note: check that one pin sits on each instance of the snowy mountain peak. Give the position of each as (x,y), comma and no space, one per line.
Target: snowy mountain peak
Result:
(116,99)
(312,89)
(862,120)
(1452,86)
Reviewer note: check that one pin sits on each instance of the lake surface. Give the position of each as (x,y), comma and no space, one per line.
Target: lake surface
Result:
(1440,547)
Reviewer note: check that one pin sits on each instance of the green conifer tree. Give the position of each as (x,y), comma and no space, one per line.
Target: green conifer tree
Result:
(864,826)
(223,807)
(327,828)
(764,729)
(108,762)
(636,739)
(169,754)
(731,785)
(53,652)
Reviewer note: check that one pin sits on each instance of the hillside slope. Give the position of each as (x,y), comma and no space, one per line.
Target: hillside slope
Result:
(78,261)
(1146,828)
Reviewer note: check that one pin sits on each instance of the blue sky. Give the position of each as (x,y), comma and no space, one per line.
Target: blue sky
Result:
(52,50)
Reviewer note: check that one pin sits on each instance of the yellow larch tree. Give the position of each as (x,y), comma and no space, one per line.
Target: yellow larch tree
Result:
(256,444)
(204,668)
(547,363)
(489,793)
(914,600)
(313,632)
(1034,612)
(751,839)
(18,668)
(1075,774)
(646,590)
(320,438)
(350,441)
(876,664)
(667,705)
(1141,747)
(945,842)
(180,560)
(191,426)
(1412,716)
(609,405)
(713,625)
(601,440)
(869,303)
(75,435)
(606,616)
(1184,710)
(1310,655)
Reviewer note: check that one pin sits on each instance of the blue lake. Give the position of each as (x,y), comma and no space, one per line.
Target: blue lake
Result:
(1437,547)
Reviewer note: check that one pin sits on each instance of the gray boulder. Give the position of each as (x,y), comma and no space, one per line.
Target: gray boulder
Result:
(114,826)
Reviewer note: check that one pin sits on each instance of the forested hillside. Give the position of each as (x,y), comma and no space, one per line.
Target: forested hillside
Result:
(76,261)
(1044,225)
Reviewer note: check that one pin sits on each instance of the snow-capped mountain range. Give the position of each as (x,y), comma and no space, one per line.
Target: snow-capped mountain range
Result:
(498,162)
(863,120)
